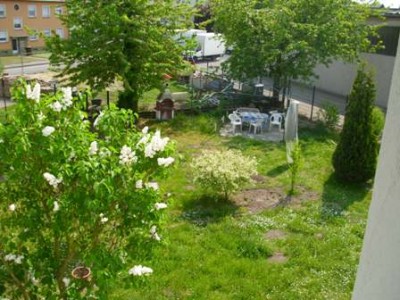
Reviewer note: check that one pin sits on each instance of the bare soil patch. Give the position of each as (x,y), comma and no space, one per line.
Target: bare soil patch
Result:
(275,234)
(278,257)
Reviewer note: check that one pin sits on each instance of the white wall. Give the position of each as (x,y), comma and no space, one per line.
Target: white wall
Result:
(378,274)
(338,78)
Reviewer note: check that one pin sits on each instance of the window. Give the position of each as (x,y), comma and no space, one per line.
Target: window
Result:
(17,23)
(33,35)
(60,32)
(58,10)
(32,11)
(47,32)
(2,11)
(3,36)
(46,11)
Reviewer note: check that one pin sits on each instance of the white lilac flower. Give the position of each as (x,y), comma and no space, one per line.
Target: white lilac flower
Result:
(154,234)
(96,122)
(10,257)
(127,156)
(160,205)
(56,206)
(145,130)
(66,281)
(156,144)
(56,106)
(12,207)
(52,180)
(48,130)
(18,259)
(93,148)
(152,185)
(67,98)
(35,94)
(140,271)
(165,162)
(139,184)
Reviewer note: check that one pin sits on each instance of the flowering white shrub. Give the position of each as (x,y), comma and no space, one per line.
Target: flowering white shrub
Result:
(75,198)
(223,171)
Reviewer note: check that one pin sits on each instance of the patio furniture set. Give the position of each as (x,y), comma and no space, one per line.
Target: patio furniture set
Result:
(256,121)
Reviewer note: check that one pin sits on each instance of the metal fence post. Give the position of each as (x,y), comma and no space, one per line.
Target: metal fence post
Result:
(108,99)
(312,102)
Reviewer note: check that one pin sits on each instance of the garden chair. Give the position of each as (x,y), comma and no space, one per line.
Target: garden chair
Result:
(276,120)
(257,125)
(235,121)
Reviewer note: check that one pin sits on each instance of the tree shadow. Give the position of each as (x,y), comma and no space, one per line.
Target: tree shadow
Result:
(206,209)
(278,170)
(338,196)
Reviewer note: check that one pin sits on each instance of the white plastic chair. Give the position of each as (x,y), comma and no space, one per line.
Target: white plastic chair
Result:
(275,120)
(257,125)
(235,121)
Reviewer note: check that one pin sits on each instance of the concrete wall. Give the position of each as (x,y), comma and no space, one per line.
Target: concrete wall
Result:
(378,274)
(338,78)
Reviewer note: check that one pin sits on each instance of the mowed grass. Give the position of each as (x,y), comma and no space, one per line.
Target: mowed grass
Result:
(213,249)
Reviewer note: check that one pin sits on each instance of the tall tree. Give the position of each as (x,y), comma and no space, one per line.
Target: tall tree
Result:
(355,157)
(285,39)
(129,40)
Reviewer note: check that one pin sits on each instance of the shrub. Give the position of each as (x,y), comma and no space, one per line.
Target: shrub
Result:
(378,121)
(329,115)
(355,157)
(223,171)
(75,198)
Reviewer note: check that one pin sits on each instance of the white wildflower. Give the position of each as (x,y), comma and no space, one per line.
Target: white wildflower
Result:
(93,148)
(56,106)
(52,180)
(139,184)
(103,220)
(127,156)
(140,271)
(35,94)
(165,162)
(66,281)
(12,207)
(154,234)
(56,206)
(160,205)
(152,185)
(48,130)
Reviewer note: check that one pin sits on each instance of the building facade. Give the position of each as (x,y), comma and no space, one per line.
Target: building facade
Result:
(24,23)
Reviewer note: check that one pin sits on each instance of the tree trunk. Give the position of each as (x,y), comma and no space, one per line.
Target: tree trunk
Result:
(128,99)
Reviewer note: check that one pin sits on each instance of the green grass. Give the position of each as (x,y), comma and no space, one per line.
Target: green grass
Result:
(216,250)
(16,59)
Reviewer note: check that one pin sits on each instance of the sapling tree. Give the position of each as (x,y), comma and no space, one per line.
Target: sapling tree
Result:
(74,199)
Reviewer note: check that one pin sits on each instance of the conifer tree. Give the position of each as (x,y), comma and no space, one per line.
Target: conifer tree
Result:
(355,157)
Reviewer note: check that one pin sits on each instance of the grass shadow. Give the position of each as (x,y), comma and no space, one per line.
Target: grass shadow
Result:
(338,196)
(205,209)
(278,170)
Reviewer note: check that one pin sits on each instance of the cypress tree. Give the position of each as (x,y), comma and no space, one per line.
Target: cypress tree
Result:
(355,157)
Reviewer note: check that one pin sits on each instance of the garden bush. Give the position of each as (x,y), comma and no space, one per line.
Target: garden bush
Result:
(329,115)
(73,198)
(378,121)
(355,157)
(223,171)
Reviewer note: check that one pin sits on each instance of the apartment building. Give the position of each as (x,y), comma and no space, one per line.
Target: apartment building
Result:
(23,22)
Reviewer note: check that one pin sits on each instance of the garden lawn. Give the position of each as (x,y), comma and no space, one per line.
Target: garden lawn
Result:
(213,249)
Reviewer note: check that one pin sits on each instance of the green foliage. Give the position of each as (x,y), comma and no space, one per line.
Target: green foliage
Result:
(378,121)
(329,115)
(295,166)
(73,197)
(356,154)
(223,171)
(130,40)
(285,39)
